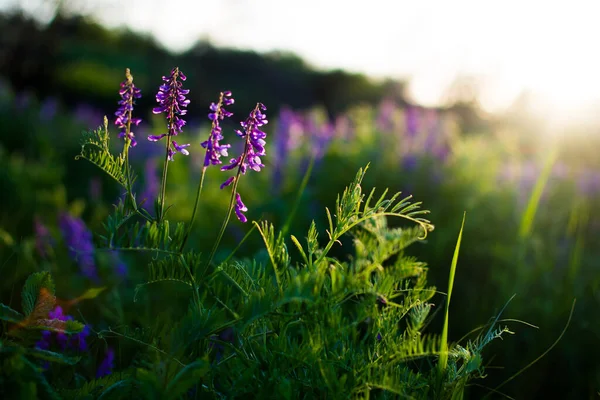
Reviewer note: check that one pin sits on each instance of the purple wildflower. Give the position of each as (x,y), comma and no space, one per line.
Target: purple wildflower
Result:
(78,239)
(240,208)
(128,93)
(214,150)
(152,183)
(288,133)
(23,101)
(95,189)
(171,100)
(250,158)
(64,341)
(107,364)
(43,238)
(412,119)
(588,183)
(87,115)
(48,109)
(255,143)
(386,116)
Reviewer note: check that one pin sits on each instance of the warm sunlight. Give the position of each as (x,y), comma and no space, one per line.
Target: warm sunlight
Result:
(539,46)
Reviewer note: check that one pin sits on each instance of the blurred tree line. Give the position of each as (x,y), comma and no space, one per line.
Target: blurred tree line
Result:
(75,59)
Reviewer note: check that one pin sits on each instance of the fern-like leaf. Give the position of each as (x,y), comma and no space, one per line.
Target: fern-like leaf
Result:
(170,269)
(95,149)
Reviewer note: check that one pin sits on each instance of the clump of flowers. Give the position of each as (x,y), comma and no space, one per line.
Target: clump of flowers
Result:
(254,148)
(172,101)
(108,363)
(64,341)
(214,150)
(78,239)
(124,120)
(43,238)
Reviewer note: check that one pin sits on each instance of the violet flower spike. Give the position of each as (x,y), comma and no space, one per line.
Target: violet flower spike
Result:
(214,150)
(172,102)
(255,143)
(124,120)
(254,148)
(78,239)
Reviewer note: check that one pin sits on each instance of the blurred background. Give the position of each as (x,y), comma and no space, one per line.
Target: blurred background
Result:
(488,108)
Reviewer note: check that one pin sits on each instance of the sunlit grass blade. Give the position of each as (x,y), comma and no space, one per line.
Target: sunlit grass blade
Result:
(443,361)
(536,195)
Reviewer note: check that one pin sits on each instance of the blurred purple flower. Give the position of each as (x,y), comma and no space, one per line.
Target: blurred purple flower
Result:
(124,120)
(409,161)
(108,363)
(214,150)
(152,182)
(88,115)
(411,117)
(386,113)
(64,341)
(588,183)
(23,101)
(560,170)
(285,139)
(95,189)
(171,100)
(343,128)
(321,135)
(43,238)
(78,239)
(119,266)
(48,109)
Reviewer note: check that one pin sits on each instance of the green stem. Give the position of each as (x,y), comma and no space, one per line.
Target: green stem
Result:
(163,185)
(233,193)
(239,244)
(193,281)
(226,221)
(193,218)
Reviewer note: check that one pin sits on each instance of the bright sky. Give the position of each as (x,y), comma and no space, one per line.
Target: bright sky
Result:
(547,46)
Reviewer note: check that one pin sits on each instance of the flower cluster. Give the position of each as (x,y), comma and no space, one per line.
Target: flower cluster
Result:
(78,239)
(172,101)
(214,150)
(106,366)
(64,341)
(255,143)
(250,158)
(128,93)
(44,242)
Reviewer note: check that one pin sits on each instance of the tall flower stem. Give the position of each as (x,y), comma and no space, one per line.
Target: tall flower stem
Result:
(163,184)
(124,121)
(214,150)
(171,100)
(193,217)
(127,166)
(253,148)
(229,210)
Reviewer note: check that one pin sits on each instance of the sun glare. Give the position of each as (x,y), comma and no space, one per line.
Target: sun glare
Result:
(543,47)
